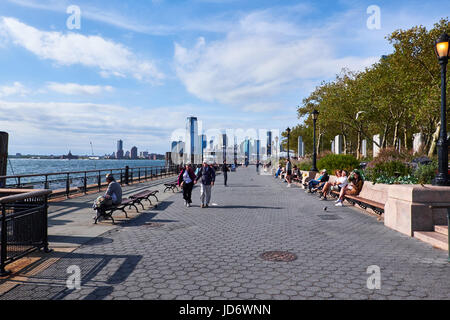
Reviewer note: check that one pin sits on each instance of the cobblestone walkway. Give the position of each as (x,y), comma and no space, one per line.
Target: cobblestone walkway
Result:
(214,253)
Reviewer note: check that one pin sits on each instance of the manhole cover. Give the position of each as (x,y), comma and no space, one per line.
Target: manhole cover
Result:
(278,256)
(329,217)
(154,224)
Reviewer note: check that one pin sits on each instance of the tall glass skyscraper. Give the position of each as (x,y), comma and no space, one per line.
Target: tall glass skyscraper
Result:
(269,144)
(119,154)
(192,142)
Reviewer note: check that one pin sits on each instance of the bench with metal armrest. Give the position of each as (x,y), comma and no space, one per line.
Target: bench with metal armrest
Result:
(108,211)
(171,186)
(145,195)
(362,202)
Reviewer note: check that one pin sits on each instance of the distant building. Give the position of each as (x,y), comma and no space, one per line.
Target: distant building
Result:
(119,154)
(127,155)
(143,155)
(134,153)
(18,154)
(69,156)
(192,141)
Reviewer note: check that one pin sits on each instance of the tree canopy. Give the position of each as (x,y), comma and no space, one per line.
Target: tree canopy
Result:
(396,97)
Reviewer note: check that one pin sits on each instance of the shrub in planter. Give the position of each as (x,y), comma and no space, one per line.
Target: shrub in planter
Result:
(333,162)
(389,172)
(426,173)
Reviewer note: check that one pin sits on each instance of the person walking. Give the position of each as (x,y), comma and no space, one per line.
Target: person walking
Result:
(186,180)
(225,172)
(288,172)
(207,177)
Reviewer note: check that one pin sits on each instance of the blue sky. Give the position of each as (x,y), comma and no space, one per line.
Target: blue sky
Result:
(136,69)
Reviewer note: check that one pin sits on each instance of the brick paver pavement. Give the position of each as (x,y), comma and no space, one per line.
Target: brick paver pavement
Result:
(214,253)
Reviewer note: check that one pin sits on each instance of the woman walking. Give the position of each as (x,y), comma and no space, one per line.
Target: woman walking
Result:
(186,181)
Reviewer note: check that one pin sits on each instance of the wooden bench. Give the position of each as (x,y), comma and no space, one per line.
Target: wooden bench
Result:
(108,212)
(171,186)
(145,195)
(362,202)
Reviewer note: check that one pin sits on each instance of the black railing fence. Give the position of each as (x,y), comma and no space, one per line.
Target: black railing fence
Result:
(67,183)
(23,224)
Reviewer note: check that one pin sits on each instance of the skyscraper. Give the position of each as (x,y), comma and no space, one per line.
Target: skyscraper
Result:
(192,148)
(119,153)
(269,144)
(134,153)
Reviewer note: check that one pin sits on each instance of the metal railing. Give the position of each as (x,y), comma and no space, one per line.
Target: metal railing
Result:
(23,224)
(67,183)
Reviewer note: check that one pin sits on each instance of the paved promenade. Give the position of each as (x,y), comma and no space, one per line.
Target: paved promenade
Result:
(174,252)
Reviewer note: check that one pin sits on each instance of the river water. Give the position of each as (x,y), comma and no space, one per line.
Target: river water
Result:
(37,166)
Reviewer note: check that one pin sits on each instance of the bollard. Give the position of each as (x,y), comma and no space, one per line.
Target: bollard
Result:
(3,157)
(127,172)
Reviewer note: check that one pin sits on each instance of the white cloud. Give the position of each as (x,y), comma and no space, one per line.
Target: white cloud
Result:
(263,56)
(78,89)
(112,59)
(55,125)
(16,89)
(262,107)
(100,15)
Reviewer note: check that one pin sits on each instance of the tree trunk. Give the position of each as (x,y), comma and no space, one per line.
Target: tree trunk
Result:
(384,138)
(319,142)
(405,138)
(434,140)
(395,140)
(358,147)
(344,138)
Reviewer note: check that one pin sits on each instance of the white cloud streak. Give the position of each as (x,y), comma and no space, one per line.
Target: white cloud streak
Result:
(15,89)
(78,89)
(110,58)
(260,58)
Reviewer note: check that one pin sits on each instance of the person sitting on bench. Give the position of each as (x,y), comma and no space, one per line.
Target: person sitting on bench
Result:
(352,189)
(112,197)
(319,183)
(341,182)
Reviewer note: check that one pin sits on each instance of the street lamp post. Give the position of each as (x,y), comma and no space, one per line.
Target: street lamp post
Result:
(315,115)
(443,53)
(288,130)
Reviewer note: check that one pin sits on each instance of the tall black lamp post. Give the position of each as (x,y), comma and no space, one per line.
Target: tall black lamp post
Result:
(288,130)
(442,51)
(315,116)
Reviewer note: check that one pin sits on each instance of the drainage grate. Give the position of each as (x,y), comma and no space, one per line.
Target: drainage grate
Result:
(329,217)
(278,256)
(154,224)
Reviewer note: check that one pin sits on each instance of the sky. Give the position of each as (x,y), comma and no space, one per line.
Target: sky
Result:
(135,70)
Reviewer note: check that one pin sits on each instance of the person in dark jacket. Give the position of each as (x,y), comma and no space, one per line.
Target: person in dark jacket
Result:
(186,180)
(225,172)
(207,177)
(319,183)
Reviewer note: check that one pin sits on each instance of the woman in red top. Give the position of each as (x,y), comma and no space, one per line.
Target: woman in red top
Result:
(186,181)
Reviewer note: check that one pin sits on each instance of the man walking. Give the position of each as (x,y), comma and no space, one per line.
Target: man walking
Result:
(225,172)
(208,177)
